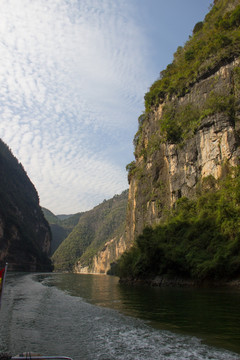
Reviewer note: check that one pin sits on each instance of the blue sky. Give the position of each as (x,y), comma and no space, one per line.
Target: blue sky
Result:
(73,78)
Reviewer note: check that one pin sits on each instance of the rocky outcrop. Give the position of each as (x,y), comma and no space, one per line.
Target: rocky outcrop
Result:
(104,260)
(165,171)
(25,236)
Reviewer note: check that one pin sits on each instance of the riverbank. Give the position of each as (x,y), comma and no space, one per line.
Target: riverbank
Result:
(168,281)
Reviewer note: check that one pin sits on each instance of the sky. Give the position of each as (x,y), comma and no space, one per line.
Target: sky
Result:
(73,77)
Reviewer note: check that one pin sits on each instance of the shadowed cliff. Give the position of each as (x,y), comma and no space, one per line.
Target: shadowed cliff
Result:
(24,233)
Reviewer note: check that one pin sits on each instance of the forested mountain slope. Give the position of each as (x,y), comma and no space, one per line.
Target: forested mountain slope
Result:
(95,228)
(61,226)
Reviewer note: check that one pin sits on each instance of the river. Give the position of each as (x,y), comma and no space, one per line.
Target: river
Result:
(93,317)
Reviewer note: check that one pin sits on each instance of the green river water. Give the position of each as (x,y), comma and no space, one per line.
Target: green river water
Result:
(94,317)
(212,314)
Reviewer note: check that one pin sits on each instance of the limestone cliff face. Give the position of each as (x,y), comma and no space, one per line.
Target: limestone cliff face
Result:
(165,171)
(103,261)
(25,235)
(189,132)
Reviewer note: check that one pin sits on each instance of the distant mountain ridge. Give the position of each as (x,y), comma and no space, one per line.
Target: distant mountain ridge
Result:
(63,216)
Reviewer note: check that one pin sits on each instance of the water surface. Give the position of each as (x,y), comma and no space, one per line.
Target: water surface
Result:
(94,317)
(211,314)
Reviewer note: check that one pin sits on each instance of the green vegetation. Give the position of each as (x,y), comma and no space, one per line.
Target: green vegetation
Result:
(131,169)
(180,122)
(66,221)
(61,227)
(177,123)
(200,239)
(94,229)
(49,216)
(214,42)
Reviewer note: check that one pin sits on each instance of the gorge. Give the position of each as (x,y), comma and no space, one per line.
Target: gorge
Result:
(181,212)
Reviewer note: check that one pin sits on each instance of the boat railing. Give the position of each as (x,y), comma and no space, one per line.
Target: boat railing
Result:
(30,356)
(36,357)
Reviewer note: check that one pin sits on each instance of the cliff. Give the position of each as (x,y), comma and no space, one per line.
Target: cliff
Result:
(183,209)
(190,128)
(166,171)
(104,261)
(25,235)
(186,144)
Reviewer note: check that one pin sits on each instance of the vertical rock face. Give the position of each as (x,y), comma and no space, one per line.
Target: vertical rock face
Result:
(25,235)
(190,130)
(165,171)
(112,251)
(104,259)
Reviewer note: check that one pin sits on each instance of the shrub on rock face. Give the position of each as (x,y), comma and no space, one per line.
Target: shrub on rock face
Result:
(214,40)
(198,26)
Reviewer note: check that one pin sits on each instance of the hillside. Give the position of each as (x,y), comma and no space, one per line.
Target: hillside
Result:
(94,229)
(24,233)
(214,43)
(61,226)
(51,218)
(183,211)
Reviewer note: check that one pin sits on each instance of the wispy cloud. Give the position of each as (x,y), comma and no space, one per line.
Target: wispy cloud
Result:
(71,86)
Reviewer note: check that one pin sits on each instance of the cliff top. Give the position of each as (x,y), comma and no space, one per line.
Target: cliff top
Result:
(214,42)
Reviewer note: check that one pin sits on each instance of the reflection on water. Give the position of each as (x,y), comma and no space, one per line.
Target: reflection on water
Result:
(210,314)
(97,289)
